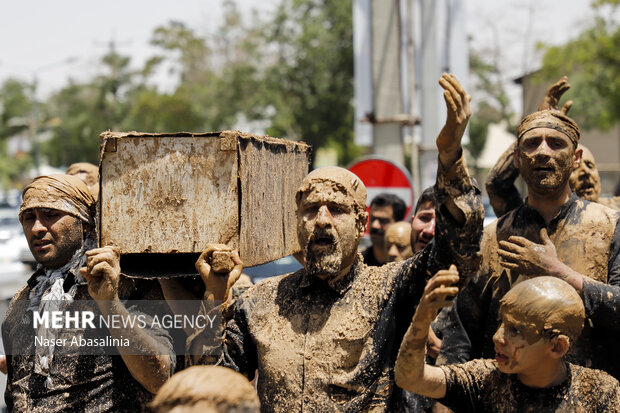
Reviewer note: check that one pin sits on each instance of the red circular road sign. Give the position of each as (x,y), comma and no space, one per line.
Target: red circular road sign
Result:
(381,175)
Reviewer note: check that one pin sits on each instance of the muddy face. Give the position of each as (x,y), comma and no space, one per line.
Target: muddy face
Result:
(585,180)
(328,229)
(546,158)
(518,347)
(423,226)
(398,242)
(53,236)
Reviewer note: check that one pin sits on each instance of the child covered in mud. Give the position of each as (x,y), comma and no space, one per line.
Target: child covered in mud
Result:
(540,317)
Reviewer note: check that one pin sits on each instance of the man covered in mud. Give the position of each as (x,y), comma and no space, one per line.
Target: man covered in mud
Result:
(47,371)
(385,210)
(555,233)
(398,242)
(325,338)
(540,318)
(584,181)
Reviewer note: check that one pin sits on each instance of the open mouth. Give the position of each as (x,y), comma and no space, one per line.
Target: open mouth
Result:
(323,241)
(500,357)
(544,169)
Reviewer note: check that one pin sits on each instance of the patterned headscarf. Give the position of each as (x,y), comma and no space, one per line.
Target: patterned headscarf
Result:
(551,119)
(65,193)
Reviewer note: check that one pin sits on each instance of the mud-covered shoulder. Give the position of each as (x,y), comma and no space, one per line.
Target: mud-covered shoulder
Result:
(268,287)
(594,386)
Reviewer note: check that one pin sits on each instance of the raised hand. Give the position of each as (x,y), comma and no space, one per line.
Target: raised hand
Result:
(459,112)
(102,272)
(439,292)
(218,284)
(553,95)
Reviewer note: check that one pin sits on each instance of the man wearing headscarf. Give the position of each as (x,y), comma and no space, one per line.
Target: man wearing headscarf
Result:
(325,338)
(585,180)
(552,233)
(47,372)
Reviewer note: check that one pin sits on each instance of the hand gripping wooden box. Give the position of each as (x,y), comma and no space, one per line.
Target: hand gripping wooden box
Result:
(164,197)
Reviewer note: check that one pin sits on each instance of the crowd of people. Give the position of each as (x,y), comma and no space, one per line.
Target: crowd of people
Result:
(436,314)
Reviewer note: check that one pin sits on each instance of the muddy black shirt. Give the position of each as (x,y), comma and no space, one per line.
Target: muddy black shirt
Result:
(478,386)
(325,346)
(369,258)
(587,239)
(80,383)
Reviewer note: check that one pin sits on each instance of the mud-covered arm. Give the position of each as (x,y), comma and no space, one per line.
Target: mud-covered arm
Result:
(602,301)
(226,341)
(463,330)
(500,184)
(457,242)
(411,371)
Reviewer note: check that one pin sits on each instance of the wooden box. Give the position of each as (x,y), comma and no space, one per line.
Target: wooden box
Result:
(163,197)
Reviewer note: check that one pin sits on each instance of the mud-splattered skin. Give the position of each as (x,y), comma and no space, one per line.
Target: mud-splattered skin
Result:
(330,344)
(328,230)
(585,180)
(586,237)
(480,386)
(546,158)
(504,195)
(81,383)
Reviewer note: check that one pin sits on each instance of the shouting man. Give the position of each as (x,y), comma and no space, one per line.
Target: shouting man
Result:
(325,338)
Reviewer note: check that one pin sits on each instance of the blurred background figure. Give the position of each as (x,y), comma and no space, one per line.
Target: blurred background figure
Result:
(89,174)
(423,220)
(385,209)
(398,242)
(206,389)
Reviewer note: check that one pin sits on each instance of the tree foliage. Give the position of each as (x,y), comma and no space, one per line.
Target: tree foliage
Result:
(491,105)
(292,70)
(592,63)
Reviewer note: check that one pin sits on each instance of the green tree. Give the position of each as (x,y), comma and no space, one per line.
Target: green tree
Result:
(311,83)
(491,105)
(79,112)
(15,118)
(592,63)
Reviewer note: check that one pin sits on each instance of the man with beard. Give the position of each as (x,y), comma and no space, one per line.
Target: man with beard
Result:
(326,337)
(57,217)
(585,180)
(553,233)
(385,210)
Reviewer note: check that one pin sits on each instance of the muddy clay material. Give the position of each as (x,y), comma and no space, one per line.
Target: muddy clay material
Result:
(175,193)
(222,261)
(552,120)
(478,386)
(583,234)
(65,193)
(544,307)
(212,387)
